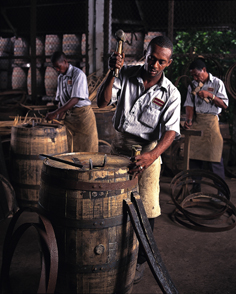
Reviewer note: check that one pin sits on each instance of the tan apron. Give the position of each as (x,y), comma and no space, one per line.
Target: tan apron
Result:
(81,130)
(209,146)
(149,179)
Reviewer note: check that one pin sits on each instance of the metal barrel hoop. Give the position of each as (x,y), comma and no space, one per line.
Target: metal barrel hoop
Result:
(45,230)
(177,217)
(181,214)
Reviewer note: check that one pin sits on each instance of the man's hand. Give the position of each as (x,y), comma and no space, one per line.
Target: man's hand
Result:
(51,115)
(203,94)
(116,60)
(140,163)
(188,123)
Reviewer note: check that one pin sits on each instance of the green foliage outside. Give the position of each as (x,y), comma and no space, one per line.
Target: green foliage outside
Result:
(216,43)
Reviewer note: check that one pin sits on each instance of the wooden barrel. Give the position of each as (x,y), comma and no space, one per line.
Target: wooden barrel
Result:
(52,44)
(19,78)
(39,51)
(39,46)
(50,81)
(105,127)
(6,45)
(27,142)
(71,45)
(21,48)
(96,242)
(39,82)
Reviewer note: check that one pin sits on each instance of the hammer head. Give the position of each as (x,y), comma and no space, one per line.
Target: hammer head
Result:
(120,36)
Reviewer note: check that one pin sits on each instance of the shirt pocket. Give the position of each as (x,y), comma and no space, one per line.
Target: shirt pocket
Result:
(150,116)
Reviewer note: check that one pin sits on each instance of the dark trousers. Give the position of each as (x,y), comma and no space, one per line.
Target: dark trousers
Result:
(215,167)
(141,253)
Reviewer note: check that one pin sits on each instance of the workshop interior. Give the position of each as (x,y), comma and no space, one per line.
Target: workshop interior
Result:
(73,222)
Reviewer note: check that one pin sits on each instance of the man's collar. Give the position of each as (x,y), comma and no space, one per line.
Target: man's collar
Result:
(69,71)
(210,77)
(162,83)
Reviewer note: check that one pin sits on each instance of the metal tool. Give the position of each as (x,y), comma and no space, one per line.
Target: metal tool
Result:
(136,150)
(76,162)
(91,165)
(120,37)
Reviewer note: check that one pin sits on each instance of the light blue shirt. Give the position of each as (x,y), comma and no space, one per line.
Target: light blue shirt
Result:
(215,86)
(73,84)
(146,114)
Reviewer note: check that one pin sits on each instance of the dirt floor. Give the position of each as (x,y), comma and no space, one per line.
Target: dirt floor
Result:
(197,262)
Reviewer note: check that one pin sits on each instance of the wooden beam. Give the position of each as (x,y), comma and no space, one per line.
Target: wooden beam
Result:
(33,23)
(171,4)
(141,15)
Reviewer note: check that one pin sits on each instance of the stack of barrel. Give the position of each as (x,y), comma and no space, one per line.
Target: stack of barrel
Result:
(70,44)
(39,70)
(21,75)
(15,72)
(52,43)
(20,65)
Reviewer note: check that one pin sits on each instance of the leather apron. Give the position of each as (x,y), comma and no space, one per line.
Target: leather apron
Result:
(209,146)
(81,130)
(148,181)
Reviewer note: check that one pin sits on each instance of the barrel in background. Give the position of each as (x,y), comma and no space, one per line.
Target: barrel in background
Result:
(27,142)
(106,131)
(6,45)
(21,48)
(96,242)
(50,81)
(19,78)
(71,45)
(39,50)
(52,43)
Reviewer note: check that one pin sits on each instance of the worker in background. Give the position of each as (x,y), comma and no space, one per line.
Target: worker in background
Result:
(204,101)
(147,114)
(74,105)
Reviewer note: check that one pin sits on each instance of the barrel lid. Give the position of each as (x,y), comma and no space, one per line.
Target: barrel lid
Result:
(86,161)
